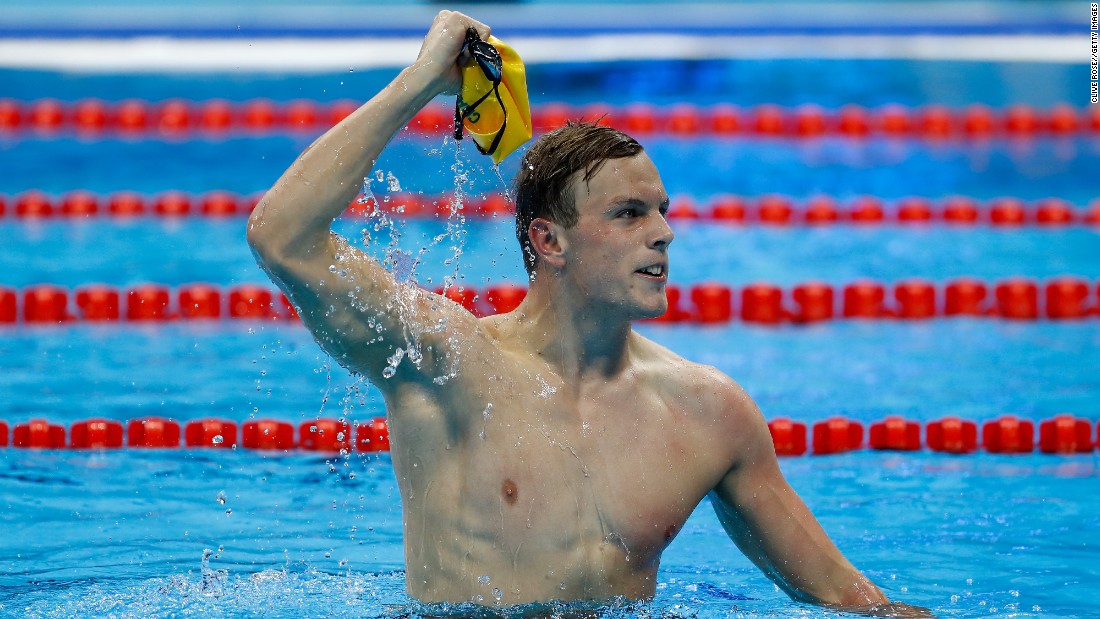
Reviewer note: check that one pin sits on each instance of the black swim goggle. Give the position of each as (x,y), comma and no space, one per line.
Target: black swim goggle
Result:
(488,58)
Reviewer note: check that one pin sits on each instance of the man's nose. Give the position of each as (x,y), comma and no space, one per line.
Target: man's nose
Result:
(662,233)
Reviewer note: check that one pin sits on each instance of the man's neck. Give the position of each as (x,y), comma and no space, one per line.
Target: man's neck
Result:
(582,341)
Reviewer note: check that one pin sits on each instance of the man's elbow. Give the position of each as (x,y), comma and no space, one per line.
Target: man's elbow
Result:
(258,235)
(263,236)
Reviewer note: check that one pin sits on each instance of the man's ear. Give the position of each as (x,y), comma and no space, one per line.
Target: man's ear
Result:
(546,242)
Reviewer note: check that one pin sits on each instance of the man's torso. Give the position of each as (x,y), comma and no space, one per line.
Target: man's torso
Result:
(517,487)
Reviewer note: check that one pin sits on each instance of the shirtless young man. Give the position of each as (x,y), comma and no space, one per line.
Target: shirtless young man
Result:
(566,451)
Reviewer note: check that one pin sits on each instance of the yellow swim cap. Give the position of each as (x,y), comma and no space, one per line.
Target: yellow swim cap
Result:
(492,104)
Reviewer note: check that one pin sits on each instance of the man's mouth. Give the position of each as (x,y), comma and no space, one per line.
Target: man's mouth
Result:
(657,270)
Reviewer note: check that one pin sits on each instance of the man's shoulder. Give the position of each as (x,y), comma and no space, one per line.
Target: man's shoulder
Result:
(718,413)
(715,391)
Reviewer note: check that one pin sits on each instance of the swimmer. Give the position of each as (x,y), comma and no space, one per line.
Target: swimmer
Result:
(565,451)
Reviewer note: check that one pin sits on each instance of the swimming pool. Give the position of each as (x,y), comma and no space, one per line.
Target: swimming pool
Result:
(246,533)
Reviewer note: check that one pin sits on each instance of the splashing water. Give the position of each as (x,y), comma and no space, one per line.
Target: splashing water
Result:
(403,264)
(547,389)
(296,591)
(213,581)
(392,184)
(392,362)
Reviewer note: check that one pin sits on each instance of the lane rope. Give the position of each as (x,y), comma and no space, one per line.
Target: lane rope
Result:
(1062,434)
(767,210)
(180,118)
(707,303)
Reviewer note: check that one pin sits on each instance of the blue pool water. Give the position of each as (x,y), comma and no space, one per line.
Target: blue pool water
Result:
(125,533)
(1030,170)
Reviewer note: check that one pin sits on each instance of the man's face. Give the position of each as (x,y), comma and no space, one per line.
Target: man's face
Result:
(617,253)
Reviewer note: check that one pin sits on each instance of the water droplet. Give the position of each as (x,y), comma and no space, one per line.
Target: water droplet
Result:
(221,497)
(497,593)
(561,585)
(483,580)
(218,439)
(229,512)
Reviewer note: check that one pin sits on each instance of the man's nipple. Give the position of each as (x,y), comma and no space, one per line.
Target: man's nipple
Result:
(510,491)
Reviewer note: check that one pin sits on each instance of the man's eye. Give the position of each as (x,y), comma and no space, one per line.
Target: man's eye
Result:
(628,213)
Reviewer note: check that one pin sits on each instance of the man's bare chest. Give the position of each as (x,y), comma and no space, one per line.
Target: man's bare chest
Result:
(617,470)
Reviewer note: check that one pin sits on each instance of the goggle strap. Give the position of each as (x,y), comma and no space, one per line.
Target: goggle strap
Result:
(461,115)
(503,125)
(471,37)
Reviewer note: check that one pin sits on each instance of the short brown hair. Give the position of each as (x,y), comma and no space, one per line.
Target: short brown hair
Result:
(542,187)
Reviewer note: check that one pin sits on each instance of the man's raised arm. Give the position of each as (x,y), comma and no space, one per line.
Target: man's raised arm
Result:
(773,527)
(355,308)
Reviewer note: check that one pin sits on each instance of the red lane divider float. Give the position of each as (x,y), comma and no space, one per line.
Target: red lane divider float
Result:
(50,304)
(35,204)
(267,434)
(783,211)
(1063,298)
(837,435)
(1062,434)
(767,210)
(153,432)
(325,435)
(952,435)
(172,118)
(181,118)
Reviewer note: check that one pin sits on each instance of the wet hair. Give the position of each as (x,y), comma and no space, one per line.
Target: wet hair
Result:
(543,187)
